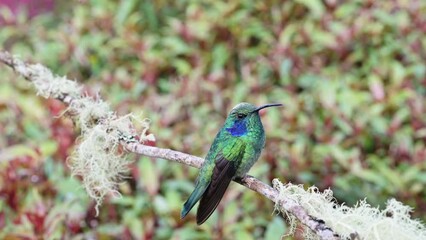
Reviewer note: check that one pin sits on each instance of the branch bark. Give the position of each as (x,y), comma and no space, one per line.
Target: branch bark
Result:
(28,71)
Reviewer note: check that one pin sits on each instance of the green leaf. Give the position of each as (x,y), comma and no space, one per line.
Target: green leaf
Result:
(275,229)
(285,68)
(243,234)
(316,7)
(148,175)
(124,10)
(220,56)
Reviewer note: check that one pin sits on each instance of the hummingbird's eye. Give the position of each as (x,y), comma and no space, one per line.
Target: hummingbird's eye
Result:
(241,115)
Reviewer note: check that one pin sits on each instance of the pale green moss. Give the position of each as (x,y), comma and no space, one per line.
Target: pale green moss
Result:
(46,83)
(96,158)
(368,222)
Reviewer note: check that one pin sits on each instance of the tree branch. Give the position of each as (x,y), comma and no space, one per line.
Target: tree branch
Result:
(35,72)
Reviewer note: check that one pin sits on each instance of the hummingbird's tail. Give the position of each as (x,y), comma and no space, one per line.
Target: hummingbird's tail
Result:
(210,192)
(198,192)
(223,172)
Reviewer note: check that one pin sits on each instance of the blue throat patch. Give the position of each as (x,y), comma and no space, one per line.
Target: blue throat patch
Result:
(238,129)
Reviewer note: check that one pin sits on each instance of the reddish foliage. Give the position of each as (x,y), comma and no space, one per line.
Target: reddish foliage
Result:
(62,129)
(73,226)
(37,218)
(33,7)
(17,175)
(2,219)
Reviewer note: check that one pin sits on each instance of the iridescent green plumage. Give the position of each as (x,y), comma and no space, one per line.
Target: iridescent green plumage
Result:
(235,149)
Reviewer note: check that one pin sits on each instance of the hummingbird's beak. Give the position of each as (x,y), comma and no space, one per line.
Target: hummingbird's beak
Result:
(266,106)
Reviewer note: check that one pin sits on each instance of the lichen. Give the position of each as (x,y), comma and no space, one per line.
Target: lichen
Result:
(97,157)
(96,160)
(393,222)
(47,84)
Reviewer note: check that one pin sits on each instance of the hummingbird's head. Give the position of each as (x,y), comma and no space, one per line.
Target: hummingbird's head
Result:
(243,116)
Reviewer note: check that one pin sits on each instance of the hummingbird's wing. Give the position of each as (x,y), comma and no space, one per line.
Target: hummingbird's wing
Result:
(223,172)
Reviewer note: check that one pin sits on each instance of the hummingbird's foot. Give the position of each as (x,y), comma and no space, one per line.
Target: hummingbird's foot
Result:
(238,179)
(247,179)
(242,179)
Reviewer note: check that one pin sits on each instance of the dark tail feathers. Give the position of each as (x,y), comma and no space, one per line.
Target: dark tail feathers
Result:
(223,173)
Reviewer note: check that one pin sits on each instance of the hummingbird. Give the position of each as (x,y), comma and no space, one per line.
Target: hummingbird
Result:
(235,149)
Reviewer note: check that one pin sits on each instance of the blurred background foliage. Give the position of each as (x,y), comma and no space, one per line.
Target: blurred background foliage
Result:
(352,76)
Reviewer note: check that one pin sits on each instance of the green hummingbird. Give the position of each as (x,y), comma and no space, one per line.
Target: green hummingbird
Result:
(235,149)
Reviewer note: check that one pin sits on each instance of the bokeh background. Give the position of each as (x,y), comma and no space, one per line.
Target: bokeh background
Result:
(352,76)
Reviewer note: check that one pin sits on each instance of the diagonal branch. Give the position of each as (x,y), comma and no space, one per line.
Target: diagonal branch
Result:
(193,161)
(316,225)
(39,76)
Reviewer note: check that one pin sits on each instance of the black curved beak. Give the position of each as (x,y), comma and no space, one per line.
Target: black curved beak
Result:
(266,106)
